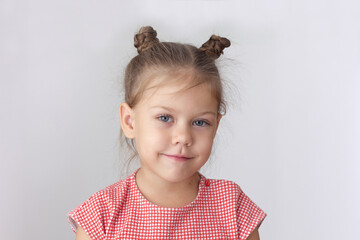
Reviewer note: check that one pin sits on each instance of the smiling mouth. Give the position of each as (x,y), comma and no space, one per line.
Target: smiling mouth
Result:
(178,158)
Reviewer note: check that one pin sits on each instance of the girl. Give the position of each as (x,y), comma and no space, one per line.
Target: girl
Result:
(172,109)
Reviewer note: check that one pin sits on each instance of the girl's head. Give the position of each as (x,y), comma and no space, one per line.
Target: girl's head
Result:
(173,100)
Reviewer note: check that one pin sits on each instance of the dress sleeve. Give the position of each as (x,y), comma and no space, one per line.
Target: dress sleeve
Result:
(248,215)
(91,216)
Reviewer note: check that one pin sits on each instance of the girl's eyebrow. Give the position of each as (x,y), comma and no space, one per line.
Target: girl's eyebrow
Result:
(173,110)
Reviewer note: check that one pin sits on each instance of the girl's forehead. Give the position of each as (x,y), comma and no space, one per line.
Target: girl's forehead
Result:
(177,87)
(172,96)
(178,90)
(176,82)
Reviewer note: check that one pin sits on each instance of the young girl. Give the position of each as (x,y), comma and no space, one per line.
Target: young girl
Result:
(172,109)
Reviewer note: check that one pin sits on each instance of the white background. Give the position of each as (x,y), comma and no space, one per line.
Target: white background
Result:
(290,138)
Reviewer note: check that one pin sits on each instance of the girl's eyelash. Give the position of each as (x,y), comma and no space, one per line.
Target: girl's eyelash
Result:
(204,121)
(161,117)
(165,118)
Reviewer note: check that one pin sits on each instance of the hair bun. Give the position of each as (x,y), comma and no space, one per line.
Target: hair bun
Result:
(145,39)
(215,45)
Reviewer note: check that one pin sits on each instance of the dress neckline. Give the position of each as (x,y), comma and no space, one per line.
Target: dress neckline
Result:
(140,196)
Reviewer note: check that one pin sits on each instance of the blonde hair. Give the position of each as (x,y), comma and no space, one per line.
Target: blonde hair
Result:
(175,60)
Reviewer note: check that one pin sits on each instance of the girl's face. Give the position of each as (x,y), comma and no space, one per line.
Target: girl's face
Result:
(174,130)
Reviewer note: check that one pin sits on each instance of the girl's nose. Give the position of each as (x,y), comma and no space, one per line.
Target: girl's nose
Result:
(182,135)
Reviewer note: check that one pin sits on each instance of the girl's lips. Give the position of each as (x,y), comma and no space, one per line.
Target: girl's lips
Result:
(178,157)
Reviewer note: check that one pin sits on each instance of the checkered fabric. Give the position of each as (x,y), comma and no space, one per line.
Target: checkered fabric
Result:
(221,210)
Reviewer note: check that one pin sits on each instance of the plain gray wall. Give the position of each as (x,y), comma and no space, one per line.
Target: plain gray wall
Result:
(290,138)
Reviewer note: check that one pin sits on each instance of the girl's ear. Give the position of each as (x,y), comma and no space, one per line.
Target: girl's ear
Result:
(127,120)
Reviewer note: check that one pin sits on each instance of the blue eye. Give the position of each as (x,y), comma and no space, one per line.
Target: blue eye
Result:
(200,123)
(165,118)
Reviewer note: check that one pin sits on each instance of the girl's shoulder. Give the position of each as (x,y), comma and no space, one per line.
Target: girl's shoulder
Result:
(114,191)
(222,187)
(227,194)
(112,194)
(91,213)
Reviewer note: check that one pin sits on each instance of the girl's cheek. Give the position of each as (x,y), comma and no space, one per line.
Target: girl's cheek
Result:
(158,132)
(160,124)
(205,132)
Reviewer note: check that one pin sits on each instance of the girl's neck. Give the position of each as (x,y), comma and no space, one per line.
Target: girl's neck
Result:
(167,194)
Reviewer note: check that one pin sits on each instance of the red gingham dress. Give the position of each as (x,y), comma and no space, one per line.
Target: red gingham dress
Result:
(221,210)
